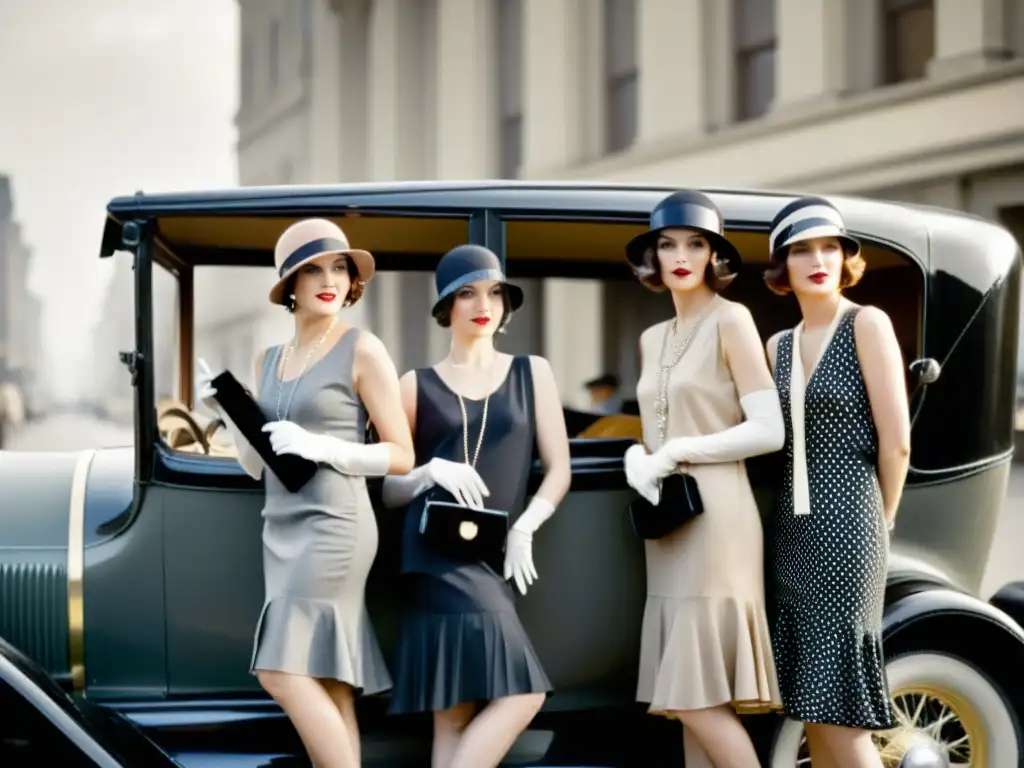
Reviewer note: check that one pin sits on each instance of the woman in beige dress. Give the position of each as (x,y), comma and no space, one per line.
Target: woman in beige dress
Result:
(705,652)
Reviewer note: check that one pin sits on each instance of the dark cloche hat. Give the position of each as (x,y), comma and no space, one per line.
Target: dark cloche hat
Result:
(807,218)
(466,264)
(690,209)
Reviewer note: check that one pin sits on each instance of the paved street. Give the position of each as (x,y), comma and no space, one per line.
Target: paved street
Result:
(75,431)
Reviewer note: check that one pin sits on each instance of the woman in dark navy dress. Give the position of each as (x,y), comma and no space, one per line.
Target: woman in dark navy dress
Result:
(840,379)
(462,652)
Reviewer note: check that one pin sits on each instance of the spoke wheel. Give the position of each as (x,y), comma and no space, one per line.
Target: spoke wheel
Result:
(937,699)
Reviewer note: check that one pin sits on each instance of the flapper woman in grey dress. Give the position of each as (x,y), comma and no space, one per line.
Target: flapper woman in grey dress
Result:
(314,648)
(463,653)
(840,378)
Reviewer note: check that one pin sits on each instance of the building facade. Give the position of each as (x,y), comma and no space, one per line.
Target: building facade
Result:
(913,100)
(21,355)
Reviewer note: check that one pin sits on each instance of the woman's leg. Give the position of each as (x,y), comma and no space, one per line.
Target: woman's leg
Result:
(821,755)
(315,716)
(721,735)
(693,752)
(344,699)
(851,747)
(449,725)
(490,735)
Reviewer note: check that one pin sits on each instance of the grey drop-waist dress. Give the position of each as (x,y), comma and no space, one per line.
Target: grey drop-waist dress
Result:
(320,542)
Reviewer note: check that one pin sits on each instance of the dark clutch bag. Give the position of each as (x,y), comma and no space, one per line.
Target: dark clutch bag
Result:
(463,533)
(293,471)
(679,503)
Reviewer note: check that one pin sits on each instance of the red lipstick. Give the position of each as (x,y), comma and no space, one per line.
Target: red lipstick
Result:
(481,320)
(819,277)
(327,296)
(681,272)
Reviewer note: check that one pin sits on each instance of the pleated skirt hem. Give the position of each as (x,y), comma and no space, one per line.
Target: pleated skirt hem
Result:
(313,638)
(460,642)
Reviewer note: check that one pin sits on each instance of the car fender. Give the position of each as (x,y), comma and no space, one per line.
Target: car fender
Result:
(41,693)
(943,619)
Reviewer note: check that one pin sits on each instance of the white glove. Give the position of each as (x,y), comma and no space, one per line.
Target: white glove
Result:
(347,457)
(458,478)
(519,543)
(642,473)
(206,393)
(763,431)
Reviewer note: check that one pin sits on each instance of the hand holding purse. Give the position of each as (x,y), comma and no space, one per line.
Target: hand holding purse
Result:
(678,500)
(459,531)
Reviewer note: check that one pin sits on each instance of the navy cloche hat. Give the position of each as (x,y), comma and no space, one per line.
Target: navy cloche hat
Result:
(466,264)
(687,209)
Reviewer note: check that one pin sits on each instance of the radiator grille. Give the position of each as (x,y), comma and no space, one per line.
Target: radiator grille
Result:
(34,612)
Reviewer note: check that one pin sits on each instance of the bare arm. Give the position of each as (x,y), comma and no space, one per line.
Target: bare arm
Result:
(399,490)
(376,382)
(741,346)
(552,437)
(881,364)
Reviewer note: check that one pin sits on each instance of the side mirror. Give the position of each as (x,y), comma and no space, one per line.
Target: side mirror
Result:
(927,370)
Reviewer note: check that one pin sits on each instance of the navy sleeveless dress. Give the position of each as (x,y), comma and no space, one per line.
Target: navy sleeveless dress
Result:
(460,639)
(827,562)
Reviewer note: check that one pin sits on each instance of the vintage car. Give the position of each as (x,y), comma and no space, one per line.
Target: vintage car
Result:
(133,576)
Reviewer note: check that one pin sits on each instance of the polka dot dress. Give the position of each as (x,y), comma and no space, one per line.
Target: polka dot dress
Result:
(826,570)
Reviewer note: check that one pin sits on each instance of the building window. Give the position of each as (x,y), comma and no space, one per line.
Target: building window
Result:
(510,85)
(274,53)
(621,77)
(909,39)
(755,57)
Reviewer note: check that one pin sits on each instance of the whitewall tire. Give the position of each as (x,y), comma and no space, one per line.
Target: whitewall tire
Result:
(942,697)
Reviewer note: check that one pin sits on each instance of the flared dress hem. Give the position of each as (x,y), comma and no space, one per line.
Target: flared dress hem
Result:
(310,638)
(700,652)
(461,642)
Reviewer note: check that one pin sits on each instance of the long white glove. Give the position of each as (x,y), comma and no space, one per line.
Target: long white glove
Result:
(519,544)
(642,473)
(249,460)
(347,457)
(458,478)
(763,431)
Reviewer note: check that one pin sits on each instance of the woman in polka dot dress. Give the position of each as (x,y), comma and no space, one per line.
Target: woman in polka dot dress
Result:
(839,374)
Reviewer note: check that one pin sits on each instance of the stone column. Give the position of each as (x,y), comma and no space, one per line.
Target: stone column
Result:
(970,35)
(557,35)
(467,107)
(811,58)
(551,86)
(672,53)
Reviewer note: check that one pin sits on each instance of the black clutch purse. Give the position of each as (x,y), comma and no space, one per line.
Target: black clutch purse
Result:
(679,503)
(463,533)
(292,470)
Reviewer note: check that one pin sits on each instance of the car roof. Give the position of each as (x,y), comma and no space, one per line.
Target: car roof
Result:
(905,227)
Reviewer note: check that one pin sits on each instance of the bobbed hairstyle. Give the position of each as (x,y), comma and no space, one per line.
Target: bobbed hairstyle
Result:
(443,310)
(355,289)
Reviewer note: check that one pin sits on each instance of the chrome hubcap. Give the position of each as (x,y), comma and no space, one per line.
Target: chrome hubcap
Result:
(927,716)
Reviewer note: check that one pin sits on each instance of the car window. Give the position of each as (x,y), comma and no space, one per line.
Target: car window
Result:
(29,740)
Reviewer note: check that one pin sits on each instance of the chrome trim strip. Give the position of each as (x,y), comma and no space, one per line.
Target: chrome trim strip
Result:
(76,569)
(53,712)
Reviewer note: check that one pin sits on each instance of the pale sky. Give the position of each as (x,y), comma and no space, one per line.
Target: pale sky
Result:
(101,98)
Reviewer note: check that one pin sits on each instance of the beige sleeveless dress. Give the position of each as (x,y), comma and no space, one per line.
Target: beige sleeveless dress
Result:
(704,638)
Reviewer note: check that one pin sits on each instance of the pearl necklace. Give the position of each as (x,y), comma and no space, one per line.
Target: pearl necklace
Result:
(284,364)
